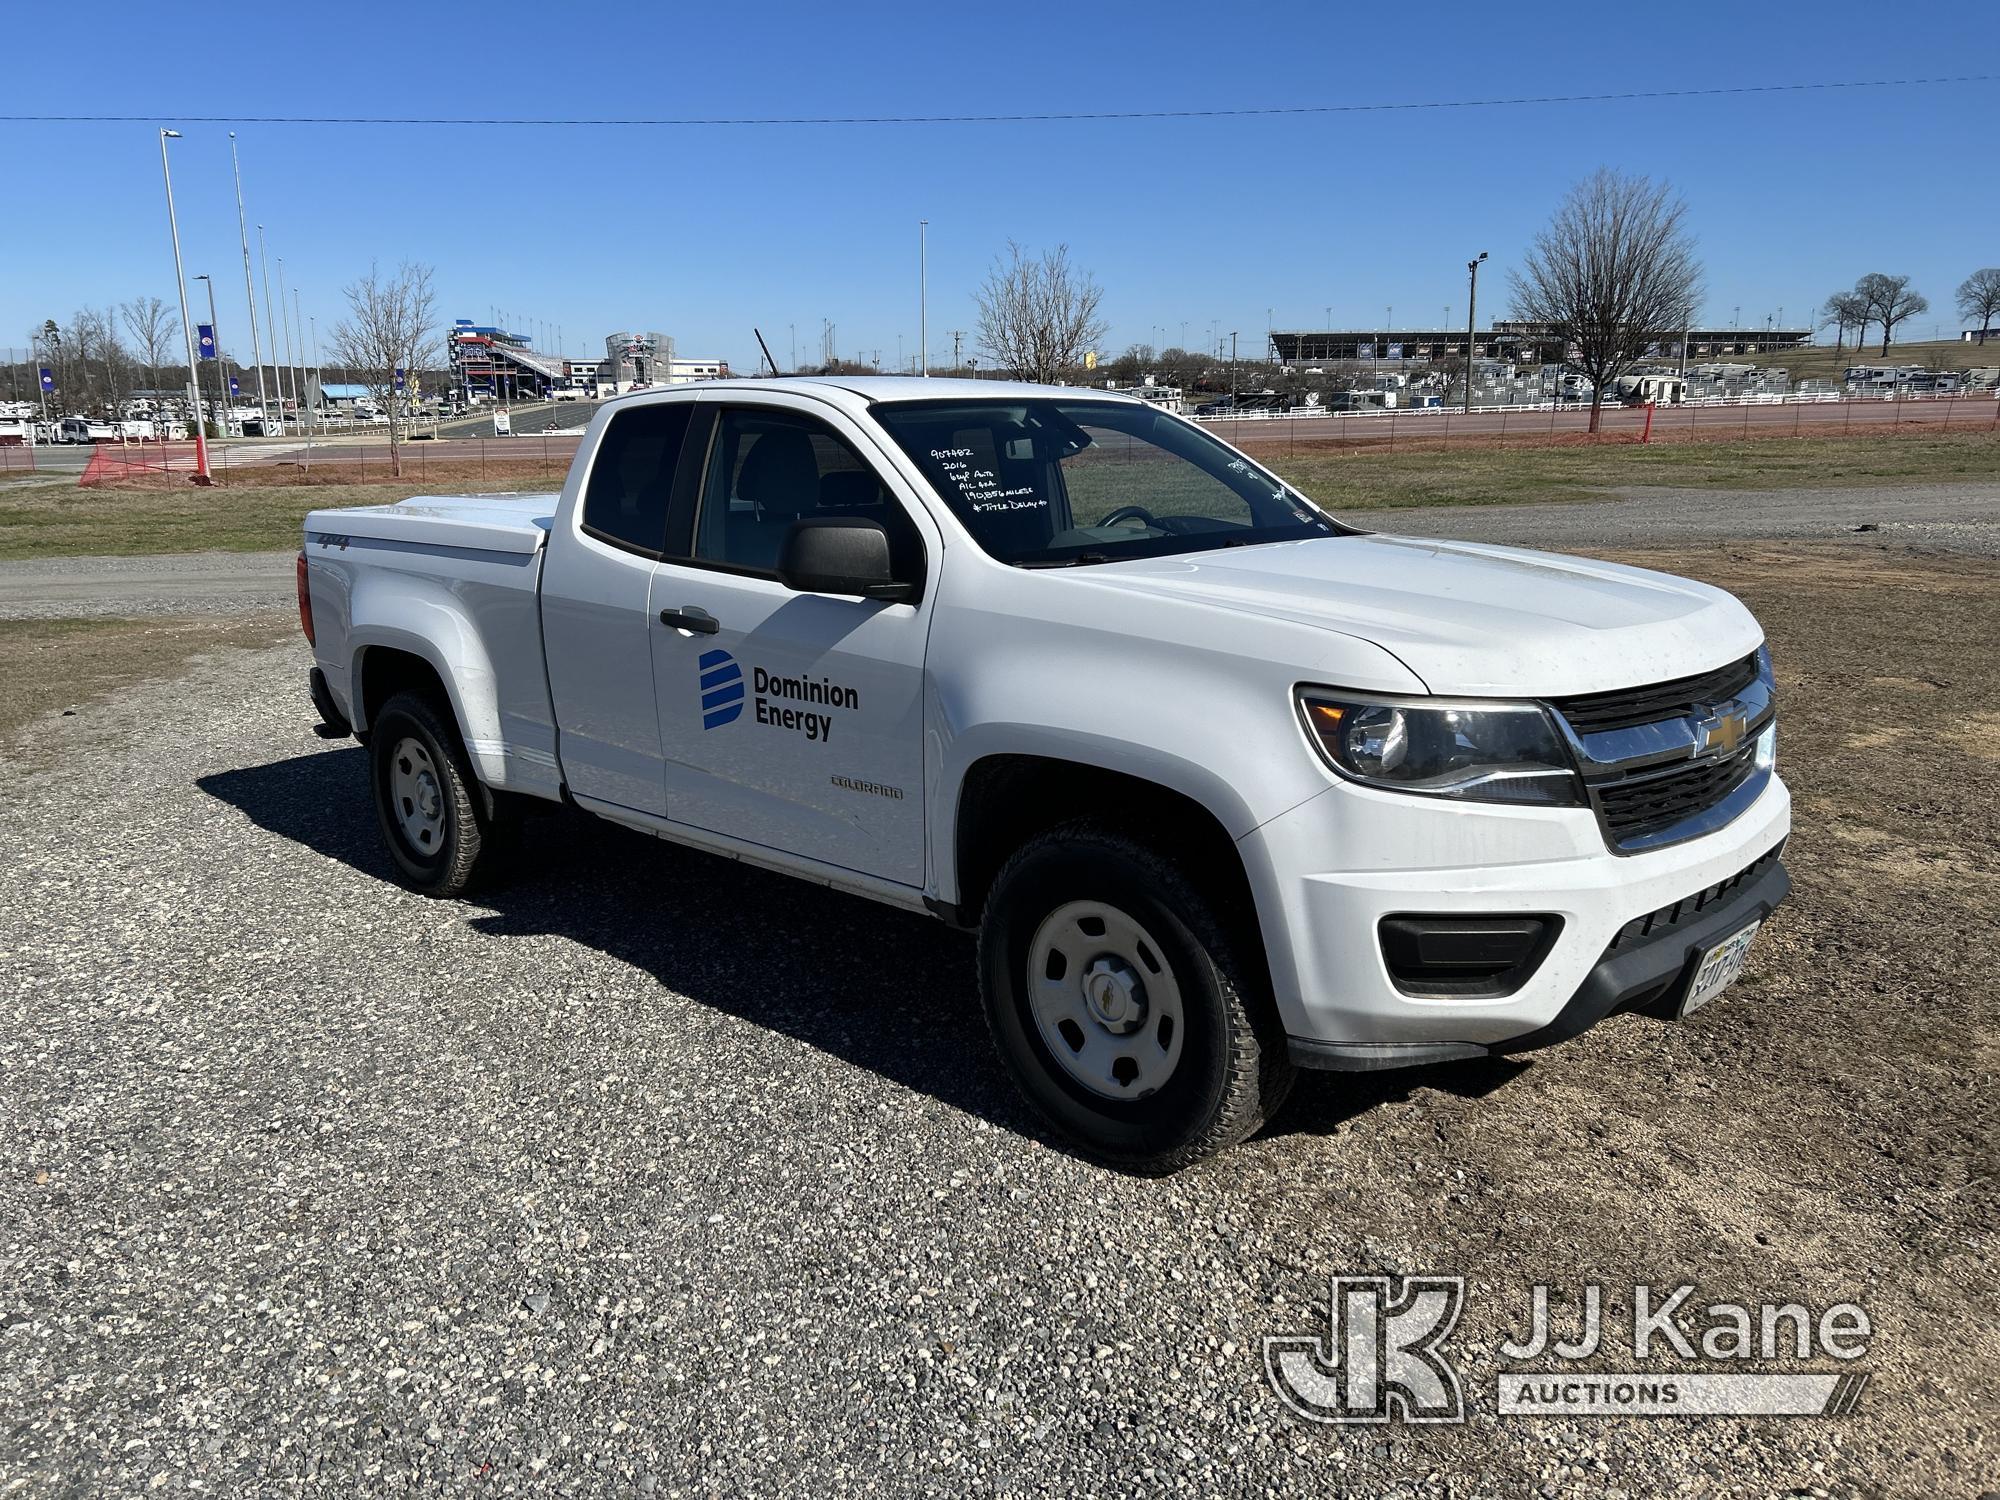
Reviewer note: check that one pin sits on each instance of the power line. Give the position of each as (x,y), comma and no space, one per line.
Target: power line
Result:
(1008,119)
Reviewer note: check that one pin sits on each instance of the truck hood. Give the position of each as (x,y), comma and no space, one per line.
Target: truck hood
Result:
(1468,619)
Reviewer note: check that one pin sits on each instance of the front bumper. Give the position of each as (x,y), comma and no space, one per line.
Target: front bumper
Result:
(1403,854)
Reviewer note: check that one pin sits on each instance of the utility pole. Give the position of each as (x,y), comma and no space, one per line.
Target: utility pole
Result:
(956,363)
(277,374)
(923,296)
(201,474)
(1471,316)
(249,290)
(1232,369)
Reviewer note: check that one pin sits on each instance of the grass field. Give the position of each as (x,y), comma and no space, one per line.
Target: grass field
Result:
(54,517)
(1370,479)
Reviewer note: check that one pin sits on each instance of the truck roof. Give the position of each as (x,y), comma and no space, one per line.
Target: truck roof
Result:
(874,389)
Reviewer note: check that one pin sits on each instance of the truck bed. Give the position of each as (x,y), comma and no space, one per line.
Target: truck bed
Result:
(477,523)
(384,576)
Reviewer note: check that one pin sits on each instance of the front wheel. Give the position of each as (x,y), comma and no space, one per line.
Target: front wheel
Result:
(433,812)
(1115,996)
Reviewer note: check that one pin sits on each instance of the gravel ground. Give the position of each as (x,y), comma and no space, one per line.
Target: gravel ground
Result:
(650,1174)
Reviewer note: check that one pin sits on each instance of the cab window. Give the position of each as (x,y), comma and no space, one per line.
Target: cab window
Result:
(632,477)
(769,468)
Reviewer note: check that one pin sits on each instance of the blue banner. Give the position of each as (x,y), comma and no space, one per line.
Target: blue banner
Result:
(234,388)
(204,338)
(399,380)
(48,378)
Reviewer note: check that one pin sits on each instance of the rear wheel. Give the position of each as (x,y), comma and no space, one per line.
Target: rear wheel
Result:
(1118,1003)
(434,813)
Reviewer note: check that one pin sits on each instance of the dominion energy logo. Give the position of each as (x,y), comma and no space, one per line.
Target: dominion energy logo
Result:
(723,693)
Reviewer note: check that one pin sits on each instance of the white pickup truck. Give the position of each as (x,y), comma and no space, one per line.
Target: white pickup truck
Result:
(1227,787)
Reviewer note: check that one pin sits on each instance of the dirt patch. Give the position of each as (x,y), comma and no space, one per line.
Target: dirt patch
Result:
(59,666)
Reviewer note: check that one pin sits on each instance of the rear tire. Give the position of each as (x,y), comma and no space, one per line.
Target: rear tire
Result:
(435,816)
(1119,1003)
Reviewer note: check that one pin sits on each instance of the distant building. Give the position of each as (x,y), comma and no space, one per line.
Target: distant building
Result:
(636,359)
(1523,343)
(684,371)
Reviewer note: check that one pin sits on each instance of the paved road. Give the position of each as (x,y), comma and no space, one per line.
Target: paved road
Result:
(1956,517)
(204,583)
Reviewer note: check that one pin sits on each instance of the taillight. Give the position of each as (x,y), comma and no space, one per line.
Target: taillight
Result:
(305,602)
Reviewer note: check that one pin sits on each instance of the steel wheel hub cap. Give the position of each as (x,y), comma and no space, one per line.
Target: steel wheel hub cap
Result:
(1107,1006)
(416,796)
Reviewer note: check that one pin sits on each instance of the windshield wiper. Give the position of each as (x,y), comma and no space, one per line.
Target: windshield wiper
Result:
(1081,560)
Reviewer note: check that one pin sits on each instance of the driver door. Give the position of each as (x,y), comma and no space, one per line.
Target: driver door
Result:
(792,720)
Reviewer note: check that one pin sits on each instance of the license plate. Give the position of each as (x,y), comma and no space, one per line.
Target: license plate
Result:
(1719,968)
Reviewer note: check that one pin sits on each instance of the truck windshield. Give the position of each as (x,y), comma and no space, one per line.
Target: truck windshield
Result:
(1050,482)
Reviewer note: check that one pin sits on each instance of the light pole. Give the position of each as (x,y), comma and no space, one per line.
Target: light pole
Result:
(300,324)
(277,374)
(215,337)
(1471,316)
(923,296)
(201,474)
(291,370)
(249,291)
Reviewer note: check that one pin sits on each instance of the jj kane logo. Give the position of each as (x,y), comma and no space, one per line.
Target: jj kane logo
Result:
(1379,1357)
(724,693)
(1382,1356)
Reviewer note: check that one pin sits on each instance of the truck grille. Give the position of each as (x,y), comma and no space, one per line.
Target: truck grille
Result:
(1625,708)
(1632,809)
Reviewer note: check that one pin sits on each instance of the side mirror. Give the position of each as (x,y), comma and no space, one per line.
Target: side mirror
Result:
(839,555)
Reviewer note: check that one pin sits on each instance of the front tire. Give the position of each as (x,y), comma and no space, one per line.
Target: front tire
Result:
(1117,1000)
(433,812)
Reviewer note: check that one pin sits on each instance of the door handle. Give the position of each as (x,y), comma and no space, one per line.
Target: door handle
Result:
(685,619)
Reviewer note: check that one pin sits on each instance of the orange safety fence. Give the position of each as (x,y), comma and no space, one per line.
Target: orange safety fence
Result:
(120,463)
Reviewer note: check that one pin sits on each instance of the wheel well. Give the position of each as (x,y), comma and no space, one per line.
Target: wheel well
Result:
(386,671)
(1007,799)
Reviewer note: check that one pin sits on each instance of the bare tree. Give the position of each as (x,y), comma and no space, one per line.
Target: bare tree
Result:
(1037,314)
(1613,275)
(1889,301)
(1844,310)
(391,327)
(1979,297)
(150,324)
(97,360)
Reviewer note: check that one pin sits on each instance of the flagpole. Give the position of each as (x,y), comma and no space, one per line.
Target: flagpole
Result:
(277,374)
(249,291)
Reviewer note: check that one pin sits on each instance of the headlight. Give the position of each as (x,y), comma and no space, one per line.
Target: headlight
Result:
(1475,752)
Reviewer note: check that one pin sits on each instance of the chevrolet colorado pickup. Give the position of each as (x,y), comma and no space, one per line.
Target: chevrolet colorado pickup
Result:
(1227,787)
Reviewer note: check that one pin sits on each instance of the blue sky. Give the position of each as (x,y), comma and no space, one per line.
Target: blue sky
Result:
(702,232)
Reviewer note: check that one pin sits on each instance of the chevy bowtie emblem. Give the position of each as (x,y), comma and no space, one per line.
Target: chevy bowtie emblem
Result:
(1721,733)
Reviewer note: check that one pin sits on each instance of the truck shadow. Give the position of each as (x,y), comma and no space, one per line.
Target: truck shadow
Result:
(885,990)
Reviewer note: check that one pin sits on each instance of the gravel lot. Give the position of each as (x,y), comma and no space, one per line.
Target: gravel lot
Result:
(649,1174)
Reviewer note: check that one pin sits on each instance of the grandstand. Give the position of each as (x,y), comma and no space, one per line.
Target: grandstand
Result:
(495,363)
